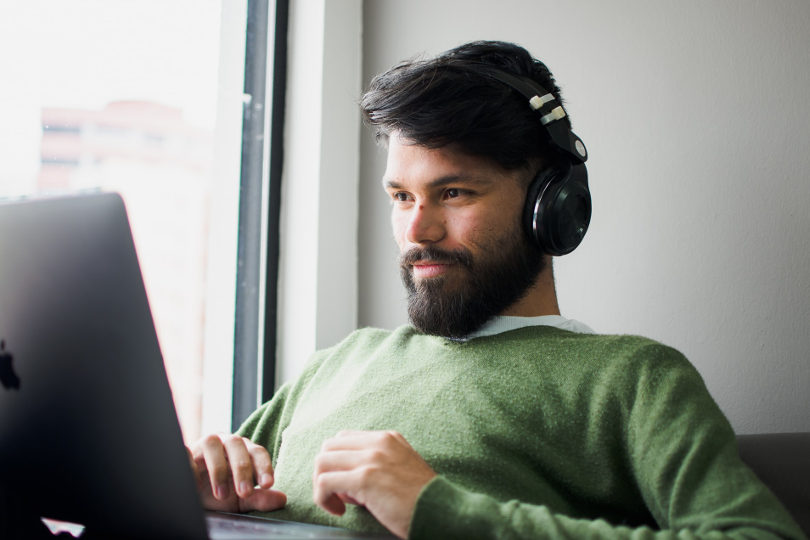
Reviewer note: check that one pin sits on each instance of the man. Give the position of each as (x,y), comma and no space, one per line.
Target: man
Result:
(490,415)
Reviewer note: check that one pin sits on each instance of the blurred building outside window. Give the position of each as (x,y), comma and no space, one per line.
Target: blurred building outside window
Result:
(140,97)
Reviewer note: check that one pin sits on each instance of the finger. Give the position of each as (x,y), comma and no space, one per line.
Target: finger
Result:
(194,468)
(340,460)
(329,461)
(263,500)
(211,454)
(327,491)
(241,464)
(262,464)
(198,470)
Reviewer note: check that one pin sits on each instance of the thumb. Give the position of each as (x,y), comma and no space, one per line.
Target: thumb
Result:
(263,500)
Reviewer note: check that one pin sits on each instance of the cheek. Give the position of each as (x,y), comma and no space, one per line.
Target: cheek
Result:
(467,232)
(489,232)
(465,228)
(475,224)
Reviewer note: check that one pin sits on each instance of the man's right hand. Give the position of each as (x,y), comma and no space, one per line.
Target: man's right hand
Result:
(234,474)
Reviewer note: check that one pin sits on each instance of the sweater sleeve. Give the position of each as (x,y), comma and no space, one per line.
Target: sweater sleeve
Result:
(445,510)
(679,450)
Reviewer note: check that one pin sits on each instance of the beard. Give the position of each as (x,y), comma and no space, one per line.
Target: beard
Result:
(491,282)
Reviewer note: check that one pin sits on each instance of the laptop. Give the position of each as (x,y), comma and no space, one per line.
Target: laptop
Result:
(90,445)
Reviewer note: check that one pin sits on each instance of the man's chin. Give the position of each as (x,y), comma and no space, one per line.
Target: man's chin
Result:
(436,286)
(435,311)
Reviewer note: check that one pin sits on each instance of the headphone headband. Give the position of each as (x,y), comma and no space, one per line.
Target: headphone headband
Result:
(546,106)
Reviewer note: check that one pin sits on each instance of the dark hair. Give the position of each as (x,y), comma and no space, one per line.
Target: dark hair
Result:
(445,100)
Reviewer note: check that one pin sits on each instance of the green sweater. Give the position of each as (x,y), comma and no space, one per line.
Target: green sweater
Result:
(535,433)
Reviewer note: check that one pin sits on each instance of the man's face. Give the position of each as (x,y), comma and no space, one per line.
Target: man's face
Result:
(456,219)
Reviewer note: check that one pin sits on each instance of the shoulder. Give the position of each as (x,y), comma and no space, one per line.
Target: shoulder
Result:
(604,347)
(621,362)
(638,361)
(653,385)
(635,351)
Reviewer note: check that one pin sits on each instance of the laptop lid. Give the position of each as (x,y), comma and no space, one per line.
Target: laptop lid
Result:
(88,432)
(88,429)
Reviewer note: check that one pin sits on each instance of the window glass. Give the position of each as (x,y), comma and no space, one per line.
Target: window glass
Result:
(123,95)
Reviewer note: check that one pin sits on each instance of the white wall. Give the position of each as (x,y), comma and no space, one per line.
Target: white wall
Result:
(317,304)
(697,118)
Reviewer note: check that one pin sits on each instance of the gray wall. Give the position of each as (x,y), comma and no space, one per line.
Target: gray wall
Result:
(697,118)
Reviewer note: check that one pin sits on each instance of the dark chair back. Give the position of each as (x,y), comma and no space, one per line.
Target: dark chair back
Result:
(782,462)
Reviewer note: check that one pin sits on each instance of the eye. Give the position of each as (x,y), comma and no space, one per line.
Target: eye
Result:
(455,193)
(400,196)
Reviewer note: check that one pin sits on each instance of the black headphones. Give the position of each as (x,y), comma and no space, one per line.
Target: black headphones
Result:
(558,203)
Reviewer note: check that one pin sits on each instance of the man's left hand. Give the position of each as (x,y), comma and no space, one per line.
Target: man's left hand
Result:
(375,469)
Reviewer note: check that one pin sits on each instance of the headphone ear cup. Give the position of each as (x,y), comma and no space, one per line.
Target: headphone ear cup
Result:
(558,208)
(532,213)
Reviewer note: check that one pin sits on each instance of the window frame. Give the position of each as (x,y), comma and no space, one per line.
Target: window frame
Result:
(255,334)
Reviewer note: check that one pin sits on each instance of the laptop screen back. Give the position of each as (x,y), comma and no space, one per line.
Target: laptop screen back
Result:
(88,432)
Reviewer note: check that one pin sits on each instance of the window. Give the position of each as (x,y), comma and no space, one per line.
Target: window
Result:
(144,98)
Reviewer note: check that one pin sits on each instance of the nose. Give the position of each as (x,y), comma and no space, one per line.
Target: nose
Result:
(425,224)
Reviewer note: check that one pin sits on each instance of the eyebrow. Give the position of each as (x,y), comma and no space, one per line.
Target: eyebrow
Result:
(442,181)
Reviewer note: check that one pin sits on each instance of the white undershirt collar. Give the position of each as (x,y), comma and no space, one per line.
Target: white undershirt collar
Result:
(504,323)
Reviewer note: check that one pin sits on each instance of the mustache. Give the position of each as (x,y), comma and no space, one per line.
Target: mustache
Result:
(436,255)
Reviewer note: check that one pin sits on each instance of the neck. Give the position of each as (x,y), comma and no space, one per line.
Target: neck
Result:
(540,299)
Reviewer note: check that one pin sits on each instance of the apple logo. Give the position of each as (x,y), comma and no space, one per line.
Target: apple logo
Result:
(8,378)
